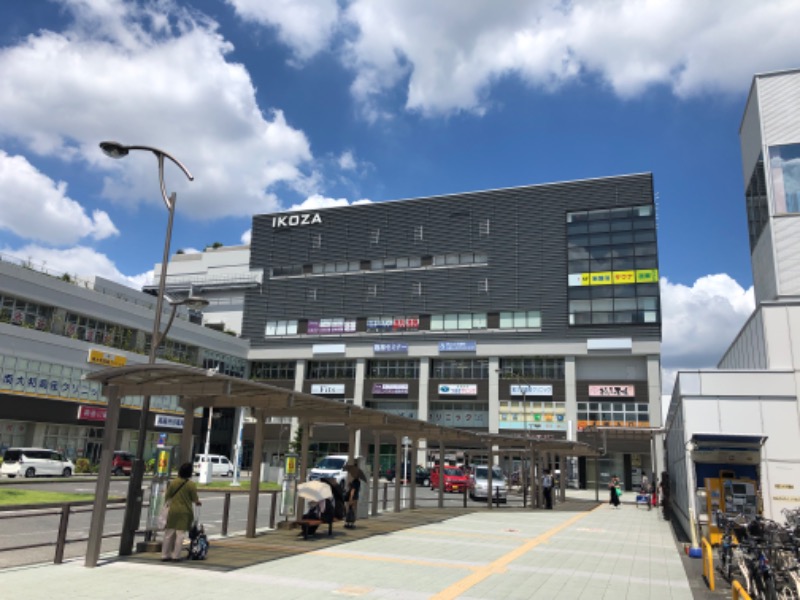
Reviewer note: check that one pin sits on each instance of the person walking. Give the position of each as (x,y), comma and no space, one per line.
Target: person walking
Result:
(613,488)
(547,489)
(181,495)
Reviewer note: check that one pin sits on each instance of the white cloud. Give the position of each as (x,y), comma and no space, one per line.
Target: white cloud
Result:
(78,262)
(246,236)
(448,54)
(316,202)
(160,77)
(304,25)
(347,161)
(700,322)
(34,207)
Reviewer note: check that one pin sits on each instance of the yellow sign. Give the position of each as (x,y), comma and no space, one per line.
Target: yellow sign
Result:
(784,486)
(107,359)
(615,277)
(163,462)
(291,465)
(787,498)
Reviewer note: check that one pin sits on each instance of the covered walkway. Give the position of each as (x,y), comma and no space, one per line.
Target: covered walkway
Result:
(198,388)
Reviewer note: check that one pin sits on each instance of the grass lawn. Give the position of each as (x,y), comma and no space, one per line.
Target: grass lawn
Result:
(12,497)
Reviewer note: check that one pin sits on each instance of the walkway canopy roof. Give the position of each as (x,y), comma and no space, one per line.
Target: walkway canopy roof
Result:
(207,388)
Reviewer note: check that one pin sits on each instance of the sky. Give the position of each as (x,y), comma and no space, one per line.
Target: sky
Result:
(280,104)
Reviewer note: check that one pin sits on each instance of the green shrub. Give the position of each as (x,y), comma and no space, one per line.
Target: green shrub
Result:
(83,465)
(151,465)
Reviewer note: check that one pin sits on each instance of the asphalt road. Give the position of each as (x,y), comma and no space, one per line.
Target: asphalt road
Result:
(20,528)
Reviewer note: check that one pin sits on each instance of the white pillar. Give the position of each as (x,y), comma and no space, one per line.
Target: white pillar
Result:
(494,394)
(423,405)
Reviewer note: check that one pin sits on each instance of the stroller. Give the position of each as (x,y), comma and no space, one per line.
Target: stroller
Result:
(198,544)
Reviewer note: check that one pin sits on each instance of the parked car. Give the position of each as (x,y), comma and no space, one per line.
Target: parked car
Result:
(479,483)
(455,479)
(220,465)
(422,478)
(31,462)
(331,466)
(122,463)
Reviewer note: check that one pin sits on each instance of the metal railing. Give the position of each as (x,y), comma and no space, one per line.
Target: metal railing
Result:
(65,509)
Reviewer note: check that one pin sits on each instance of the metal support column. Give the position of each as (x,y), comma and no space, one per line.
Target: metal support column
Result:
(103,477)
(376,472)
(255,475)
(398,471)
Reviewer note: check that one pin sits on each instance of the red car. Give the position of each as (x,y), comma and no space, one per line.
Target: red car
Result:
(455,480)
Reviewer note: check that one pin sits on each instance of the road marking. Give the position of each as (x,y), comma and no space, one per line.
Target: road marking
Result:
(500,565)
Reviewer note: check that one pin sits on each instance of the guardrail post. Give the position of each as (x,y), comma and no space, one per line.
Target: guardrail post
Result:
(738,592)
(708,563)
(226,511)
(61,540)
(496,499)
(385,495)
(273,508)
(465,496)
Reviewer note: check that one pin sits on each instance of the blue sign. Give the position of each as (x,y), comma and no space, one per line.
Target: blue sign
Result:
(390,347)
(457,346)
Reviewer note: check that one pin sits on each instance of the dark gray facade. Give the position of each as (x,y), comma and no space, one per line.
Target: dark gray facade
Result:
(520,232)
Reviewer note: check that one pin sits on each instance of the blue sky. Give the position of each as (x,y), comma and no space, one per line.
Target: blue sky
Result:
(317,102)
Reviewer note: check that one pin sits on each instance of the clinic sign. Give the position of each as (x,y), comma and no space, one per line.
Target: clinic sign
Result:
(531,390)
(296,220)
(458,389)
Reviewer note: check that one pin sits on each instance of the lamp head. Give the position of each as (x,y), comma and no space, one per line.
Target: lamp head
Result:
(114,149)
(193,302)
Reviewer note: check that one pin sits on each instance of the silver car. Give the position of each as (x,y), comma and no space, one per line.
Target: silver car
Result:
(478,484)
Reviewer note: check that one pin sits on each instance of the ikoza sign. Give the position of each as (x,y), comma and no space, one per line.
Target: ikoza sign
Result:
(296,220)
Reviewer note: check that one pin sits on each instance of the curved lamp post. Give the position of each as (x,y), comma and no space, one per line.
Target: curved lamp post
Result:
(133,505)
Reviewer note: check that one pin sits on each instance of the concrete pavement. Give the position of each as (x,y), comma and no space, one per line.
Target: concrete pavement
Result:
(581,550)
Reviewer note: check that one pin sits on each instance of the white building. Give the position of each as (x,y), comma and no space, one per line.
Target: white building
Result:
(743,419)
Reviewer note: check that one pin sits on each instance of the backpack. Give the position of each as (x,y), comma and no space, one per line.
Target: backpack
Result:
(198,548)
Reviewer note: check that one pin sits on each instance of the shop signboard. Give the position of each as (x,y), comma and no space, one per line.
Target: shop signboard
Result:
(531,390)
(107,359)
(465,346)
(169,421)
(390,348)
(91,413)
(327,389)
(614,391)
(389,389)
(458,389)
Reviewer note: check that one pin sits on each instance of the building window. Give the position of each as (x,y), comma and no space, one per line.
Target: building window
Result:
(456,321)
(287,271)
(524,319)
(99,332)
(471,368)
(418,233)
(25,314)
(375,236)
(311,294)
(460,258)
(273,369)
(785,177)
(532,368)
(316,240)
(612,264)
(613,414)
(331,369)
(393,369)
(280,328)
(223,363)
(483,228)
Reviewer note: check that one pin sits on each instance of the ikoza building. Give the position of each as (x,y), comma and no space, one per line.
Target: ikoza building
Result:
(533,309)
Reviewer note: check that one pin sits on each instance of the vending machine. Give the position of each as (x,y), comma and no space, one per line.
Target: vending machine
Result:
(732,497)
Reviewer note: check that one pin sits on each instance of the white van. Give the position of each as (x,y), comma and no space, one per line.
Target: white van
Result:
(331,466)
(220,465)
(31,462)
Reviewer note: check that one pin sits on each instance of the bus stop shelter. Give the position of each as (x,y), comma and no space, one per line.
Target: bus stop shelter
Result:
(200,388)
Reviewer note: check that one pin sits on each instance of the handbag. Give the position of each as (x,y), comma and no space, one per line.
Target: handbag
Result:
(163,514)
(619,491)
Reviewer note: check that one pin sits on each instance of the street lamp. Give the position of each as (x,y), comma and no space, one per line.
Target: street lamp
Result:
(133,504)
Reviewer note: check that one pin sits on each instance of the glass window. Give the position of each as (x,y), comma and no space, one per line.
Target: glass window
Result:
(451,322)
(437,322)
